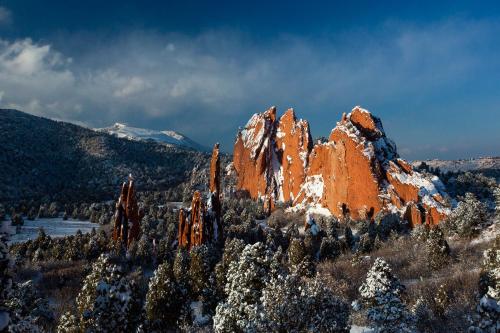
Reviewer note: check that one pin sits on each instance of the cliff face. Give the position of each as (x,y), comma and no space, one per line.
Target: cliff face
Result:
(271,155)
(357,172)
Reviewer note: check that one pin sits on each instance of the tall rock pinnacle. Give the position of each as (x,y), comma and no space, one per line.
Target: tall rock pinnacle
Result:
(357,172)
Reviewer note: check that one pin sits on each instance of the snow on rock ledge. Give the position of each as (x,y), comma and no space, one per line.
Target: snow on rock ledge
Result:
(357,172)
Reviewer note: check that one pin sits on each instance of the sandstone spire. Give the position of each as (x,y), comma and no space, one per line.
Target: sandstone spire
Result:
(357,172)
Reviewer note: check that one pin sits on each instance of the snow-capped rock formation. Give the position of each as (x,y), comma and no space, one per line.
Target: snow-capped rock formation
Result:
(271,156)
(357,172)
(171,138)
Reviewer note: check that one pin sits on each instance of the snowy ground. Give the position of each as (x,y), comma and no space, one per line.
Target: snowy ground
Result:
(360,329)
(55,227)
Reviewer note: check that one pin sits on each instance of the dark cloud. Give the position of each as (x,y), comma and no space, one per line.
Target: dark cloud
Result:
(426,82)
(5,16)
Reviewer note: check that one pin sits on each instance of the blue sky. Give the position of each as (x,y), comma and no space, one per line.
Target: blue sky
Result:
(430,71)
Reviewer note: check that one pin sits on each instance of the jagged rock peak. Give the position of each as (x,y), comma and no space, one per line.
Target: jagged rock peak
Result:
(358,172)
(270,154)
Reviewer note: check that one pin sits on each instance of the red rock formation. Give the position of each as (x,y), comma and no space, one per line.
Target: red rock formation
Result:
(357,172)
(253,154)
(293,143)
(203,223)
(127,211)
(184,232)
(215,170)
(121,222)
(271,156)
(133,214)
(197,221)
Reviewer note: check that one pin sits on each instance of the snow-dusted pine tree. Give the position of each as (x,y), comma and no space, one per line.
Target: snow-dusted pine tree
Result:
(181,269)
(15,314)
(422,314)
(246,278)
(380,294)
(296,251)
(5,285)
(199,269)
(437,248)
(496,193)
(467,218)
(28,305)
(105,300)
(68,323)
(291,305)
(330,248)
(487,317)
(163,300)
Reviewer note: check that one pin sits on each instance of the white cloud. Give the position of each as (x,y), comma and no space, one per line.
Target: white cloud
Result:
(130,86)
(219,78)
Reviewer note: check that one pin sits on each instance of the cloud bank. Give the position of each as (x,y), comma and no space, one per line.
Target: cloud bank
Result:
(426,82)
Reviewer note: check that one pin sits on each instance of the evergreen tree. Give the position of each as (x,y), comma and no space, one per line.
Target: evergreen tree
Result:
(199,269)
(246,278)
(437,249)
(181,269)
(5,285)
(68,323)
(348,236)
(2,213)
(487,316)
(496,193)
(144,253)
(422,315)
(105,301)
(380,293)
(330,248)
(467,218)
(232,251)
(292,305)
(163,300)
(296,252)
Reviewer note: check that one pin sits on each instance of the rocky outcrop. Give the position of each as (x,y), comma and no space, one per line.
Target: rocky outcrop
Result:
(202,222)
(127,214)
(271,155)
(184,229)
(197,221)
(214,204)
(215,170)
(357,172)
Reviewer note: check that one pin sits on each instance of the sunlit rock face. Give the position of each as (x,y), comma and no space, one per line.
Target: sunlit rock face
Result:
(271,155)
(357,172)
(201,223)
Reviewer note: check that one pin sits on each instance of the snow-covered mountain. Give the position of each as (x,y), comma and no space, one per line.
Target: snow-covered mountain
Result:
(167,137)
(472,164)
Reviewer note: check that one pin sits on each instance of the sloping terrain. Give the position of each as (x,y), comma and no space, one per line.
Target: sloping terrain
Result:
(472,164)
(171,138)
(64,162)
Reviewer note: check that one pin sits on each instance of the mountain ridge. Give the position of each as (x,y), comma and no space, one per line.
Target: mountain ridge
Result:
(63,161)
(168,137)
